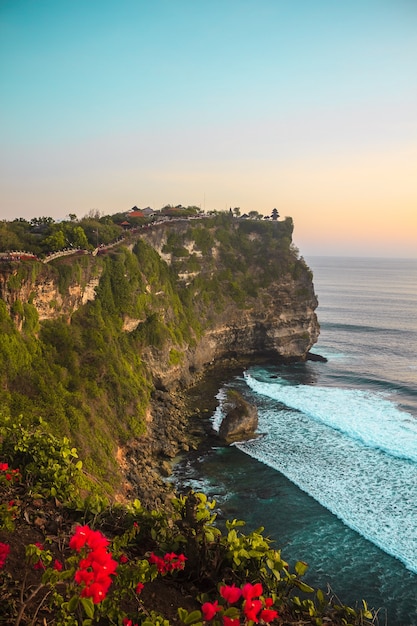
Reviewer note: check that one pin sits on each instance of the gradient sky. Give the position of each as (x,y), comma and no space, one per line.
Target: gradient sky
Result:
(309,106)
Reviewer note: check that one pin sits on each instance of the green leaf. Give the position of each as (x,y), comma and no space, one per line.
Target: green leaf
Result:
(366,612)
(88,606)
(303,587)
(72,604)
(301,567)
(193,617)
(182,614)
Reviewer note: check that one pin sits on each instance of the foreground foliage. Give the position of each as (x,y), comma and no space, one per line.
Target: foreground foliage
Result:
(66,560)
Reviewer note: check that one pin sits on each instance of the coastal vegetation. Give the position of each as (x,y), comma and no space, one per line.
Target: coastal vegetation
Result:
(90,344)
(68,560)
(85,375)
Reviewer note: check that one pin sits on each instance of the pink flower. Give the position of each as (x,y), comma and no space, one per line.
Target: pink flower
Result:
(210,609)
(4,551)
(230,593)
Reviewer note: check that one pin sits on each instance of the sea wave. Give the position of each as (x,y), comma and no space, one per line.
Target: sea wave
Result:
(367,417)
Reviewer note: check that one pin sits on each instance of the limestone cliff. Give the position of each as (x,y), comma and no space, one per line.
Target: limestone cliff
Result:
(88,342)
(278,319)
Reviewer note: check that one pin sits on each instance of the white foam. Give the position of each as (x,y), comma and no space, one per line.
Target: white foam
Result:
(367,417)
(371,491)
(218,414)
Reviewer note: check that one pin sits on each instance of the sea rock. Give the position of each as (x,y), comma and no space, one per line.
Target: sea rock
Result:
(312,356)
(241,419)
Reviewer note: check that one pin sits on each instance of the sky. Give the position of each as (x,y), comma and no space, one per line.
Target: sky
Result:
(307,106)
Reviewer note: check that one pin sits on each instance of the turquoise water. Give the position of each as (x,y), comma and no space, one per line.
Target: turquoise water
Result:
(334,477)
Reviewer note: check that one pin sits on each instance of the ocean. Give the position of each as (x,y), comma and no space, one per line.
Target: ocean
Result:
(333,478)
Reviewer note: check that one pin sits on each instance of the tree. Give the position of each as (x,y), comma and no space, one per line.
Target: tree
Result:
(275,214)
(79,238)
(55,242)
(236,211)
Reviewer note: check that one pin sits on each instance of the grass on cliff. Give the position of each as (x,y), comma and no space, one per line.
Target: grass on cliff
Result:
(89,378)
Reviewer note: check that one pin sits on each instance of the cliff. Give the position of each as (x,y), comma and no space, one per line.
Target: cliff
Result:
(85,340)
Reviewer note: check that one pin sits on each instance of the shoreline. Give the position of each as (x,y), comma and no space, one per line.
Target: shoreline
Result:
(178,429)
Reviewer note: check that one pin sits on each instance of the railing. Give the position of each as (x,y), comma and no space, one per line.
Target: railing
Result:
(66,252)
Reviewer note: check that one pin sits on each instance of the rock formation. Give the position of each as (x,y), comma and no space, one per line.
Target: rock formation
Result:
(241,419)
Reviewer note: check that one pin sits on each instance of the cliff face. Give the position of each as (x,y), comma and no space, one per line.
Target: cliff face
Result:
(278,320)
(85,341)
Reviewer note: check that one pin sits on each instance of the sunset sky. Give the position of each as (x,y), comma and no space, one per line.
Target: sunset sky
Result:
(309,106)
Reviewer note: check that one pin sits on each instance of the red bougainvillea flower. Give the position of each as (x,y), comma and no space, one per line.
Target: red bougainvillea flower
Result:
(103,567)
(230,593)
(168,563)
(251,591)
(79,538)
(251,609)
(267,615)
(10,473)
(57,565)
(96,540)
(83,577)
(128,622)
(96,568)
(95,591)
(210,609)
(139,588)
(229,621)
(123,559)
(4,551)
